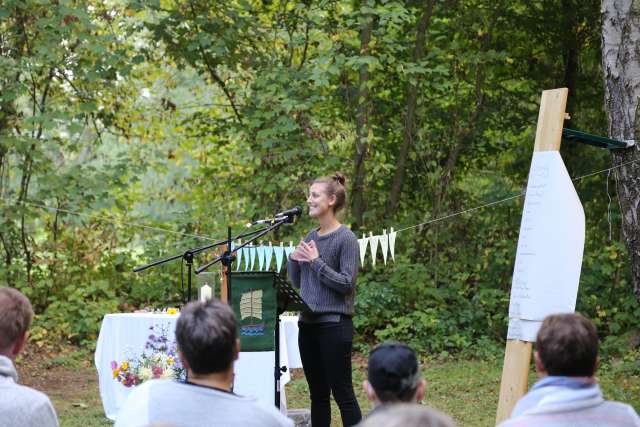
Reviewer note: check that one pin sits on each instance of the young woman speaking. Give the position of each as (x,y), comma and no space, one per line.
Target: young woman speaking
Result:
(324,266)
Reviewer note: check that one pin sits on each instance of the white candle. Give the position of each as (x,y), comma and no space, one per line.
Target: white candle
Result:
(205,293)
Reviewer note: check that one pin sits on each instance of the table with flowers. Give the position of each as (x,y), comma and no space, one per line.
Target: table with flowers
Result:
(135,347)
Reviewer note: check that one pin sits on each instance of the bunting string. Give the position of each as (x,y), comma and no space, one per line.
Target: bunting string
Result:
(260,256)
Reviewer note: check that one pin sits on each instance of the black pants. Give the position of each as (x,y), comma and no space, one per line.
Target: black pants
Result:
(325,350)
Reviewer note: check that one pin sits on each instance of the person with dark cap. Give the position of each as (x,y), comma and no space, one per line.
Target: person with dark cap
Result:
(393,376)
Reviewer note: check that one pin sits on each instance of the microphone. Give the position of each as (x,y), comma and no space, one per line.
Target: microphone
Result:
(264,221)
(287,215)
(296,211)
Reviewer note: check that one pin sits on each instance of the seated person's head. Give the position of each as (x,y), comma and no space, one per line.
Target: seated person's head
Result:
(393,375)
(207,336)
(15,318)
(408,415)
(567,345)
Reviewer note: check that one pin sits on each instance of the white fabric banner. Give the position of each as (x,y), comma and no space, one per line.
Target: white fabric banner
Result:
(550,247)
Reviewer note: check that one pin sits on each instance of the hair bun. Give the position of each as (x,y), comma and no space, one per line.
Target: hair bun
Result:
(338,176)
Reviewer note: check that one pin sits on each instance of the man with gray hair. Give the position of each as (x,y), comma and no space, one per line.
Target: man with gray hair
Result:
(393,376)
(408,415)
(19,405)
(207,336)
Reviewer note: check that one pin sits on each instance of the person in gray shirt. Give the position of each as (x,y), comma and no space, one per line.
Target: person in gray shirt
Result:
(19,405)
(207,336)
(324,266)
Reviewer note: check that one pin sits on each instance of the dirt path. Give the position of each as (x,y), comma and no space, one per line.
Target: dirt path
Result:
(56,373)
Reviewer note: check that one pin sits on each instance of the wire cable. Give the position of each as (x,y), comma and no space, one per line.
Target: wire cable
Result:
(201,237)
(506,199)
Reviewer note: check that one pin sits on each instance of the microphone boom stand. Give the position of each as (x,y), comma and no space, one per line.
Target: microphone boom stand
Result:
(227,257)
(188,255)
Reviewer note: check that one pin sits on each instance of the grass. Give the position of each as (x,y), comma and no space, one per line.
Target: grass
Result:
(468,390)
(465,389)
(81,413)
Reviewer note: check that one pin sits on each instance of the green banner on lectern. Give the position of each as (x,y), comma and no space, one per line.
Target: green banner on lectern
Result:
(253,299)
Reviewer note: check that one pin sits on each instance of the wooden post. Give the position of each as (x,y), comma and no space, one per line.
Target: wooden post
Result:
(224,285)
(517,356)
(515,376)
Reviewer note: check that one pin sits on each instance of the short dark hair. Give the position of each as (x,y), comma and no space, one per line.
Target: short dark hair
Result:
(393,372)
(567,345)
(16,314)
(206,333)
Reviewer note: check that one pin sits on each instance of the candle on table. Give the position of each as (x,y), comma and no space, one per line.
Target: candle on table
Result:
(205,293)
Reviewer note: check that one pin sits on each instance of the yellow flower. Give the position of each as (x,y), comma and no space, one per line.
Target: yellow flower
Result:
(170,361)
(172,311)
(116,372)
(125,365)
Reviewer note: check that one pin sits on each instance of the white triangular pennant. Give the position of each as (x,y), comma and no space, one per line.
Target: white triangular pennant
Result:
(260,250)
(238,256)
(373,242)
(268,251)
(289,249)
(252,257)
(245,255)
(392,244)
(384,245)
(363,248)
(279,251)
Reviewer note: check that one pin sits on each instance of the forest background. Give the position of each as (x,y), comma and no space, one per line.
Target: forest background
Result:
(133,130)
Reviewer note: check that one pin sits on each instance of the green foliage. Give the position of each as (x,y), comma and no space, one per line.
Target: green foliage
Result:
(187,116)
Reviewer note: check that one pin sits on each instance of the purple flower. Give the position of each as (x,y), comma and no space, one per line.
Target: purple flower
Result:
(114,365)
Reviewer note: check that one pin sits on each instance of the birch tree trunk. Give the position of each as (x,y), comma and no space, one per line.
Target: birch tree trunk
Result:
(621,66)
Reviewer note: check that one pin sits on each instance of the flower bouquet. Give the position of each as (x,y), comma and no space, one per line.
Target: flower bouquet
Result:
(159,359)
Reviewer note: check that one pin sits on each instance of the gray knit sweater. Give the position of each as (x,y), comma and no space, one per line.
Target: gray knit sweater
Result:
(327,284)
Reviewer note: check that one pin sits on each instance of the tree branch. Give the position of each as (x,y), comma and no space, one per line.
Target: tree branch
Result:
(412,99)
(306,46)
(212,72)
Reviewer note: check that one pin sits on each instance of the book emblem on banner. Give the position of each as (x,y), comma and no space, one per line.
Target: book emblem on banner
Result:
(251,313)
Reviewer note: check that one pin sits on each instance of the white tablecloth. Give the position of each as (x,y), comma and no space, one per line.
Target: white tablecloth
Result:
(125,334)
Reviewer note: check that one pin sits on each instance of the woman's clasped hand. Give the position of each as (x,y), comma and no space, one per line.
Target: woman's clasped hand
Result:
(305,252)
